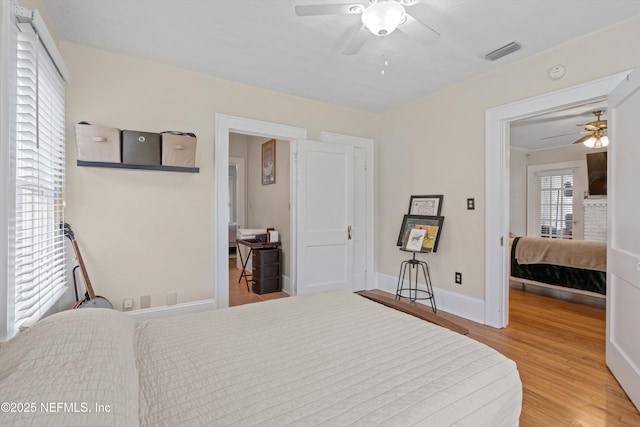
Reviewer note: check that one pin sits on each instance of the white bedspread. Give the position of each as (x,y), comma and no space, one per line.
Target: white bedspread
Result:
(325,359)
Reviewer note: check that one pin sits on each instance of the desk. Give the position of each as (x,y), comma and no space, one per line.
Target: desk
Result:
(251,244)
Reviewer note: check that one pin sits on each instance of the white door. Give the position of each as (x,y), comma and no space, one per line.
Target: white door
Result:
(623,248)
(325,216)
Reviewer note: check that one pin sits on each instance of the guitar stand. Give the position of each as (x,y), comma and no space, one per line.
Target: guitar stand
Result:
(412,289)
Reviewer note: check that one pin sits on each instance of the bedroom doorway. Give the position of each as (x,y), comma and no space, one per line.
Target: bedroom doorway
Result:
(254,207)
(363,277)
(497,182)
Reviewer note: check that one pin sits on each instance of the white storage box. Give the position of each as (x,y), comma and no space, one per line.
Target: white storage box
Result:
(98,144)
(178,150)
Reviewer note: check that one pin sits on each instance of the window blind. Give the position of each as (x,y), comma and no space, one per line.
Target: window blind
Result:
(39,264)
(556,205)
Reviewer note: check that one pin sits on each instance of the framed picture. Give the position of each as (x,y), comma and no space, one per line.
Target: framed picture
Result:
(414,240)
(425,205)
(269,162)
(432,225)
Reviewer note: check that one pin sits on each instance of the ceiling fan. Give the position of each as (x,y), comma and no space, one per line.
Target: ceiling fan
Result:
(594,132)
(595,137)
(379,17)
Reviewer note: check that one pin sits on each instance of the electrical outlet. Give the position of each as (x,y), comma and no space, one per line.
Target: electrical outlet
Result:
(458,278)
(127,304)
(471,204)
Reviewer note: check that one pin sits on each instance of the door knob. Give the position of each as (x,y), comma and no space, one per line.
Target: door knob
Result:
(349,232)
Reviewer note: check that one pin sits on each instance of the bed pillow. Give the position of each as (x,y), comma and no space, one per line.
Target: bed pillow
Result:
(72,368)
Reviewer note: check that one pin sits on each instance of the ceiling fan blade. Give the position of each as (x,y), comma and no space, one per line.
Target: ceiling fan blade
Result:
(357,41)
(564,134)
(329,9)
(583,139)
(418,31)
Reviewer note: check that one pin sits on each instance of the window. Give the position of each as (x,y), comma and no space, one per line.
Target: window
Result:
(36,268)
(556,205)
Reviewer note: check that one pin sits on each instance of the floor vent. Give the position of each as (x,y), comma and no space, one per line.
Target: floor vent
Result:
(503,51)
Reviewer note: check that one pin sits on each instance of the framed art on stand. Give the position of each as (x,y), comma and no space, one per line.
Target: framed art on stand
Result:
(432,224)
(426,205)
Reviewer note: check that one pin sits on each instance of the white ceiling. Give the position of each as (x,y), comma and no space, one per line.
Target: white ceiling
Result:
(554,129)
(263,43)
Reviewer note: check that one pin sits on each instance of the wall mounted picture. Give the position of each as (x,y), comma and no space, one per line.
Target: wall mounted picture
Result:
(432,225)
(269,162)
(426,205)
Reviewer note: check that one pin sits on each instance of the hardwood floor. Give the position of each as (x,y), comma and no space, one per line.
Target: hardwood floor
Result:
(559,346)
(238,293)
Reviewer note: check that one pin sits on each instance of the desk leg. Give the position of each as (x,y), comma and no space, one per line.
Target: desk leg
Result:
(244,263)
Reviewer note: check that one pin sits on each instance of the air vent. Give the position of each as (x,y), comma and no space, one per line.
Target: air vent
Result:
(503,51)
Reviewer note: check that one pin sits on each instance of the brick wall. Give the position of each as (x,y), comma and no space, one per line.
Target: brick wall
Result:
(595,219)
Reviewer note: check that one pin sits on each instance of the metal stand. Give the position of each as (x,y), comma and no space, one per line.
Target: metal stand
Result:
(425,294)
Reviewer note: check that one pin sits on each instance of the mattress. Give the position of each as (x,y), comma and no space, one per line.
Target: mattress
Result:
(326,359)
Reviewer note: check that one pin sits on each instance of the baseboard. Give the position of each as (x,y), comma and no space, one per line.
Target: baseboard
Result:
(172,310)
(451,302)
(286,285)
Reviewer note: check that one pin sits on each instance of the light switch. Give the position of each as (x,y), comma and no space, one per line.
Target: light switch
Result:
(471,204)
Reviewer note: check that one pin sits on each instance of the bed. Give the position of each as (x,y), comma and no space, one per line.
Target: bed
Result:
(332,358)
(572,265)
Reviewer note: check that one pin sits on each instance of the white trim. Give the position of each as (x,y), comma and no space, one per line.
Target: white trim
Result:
(172,310)
(368,145)
(223,125)
(451,302)
(286,285)
(497,181)
(7,162)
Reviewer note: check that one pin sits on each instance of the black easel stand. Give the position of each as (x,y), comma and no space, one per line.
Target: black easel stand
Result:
(425,294)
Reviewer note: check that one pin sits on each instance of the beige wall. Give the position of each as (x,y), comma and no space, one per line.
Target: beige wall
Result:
(148,232)
(436,146)
(269,204)
(518,192)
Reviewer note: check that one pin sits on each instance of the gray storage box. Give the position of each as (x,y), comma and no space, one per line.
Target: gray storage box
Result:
(140,148)
(97,143)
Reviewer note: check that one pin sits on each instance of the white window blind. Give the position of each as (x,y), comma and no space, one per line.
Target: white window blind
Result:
(556,204)
(39,256)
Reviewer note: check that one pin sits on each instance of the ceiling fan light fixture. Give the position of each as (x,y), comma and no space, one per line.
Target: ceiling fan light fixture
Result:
(383,17)
(591,142)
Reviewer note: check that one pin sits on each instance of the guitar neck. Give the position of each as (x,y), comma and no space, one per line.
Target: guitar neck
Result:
(83,269)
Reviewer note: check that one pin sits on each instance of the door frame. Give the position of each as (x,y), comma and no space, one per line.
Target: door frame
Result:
(224,124)
(497,120)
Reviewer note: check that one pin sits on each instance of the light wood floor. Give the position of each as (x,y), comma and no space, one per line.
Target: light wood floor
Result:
(558,341)
(238,293)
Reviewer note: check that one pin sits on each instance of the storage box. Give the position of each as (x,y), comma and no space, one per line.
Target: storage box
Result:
(98,144)
(266,286)
(178,150)
(140,148)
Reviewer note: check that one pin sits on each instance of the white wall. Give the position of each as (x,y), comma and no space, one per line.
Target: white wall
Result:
(147,232)
(436,146)
(269,204)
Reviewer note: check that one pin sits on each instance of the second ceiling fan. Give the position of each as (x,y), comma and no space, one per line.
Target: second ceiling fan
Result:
(379,17)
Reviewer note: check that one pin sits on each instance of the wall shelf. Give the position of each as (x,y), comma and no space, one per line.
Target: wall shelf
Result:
(143,167)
